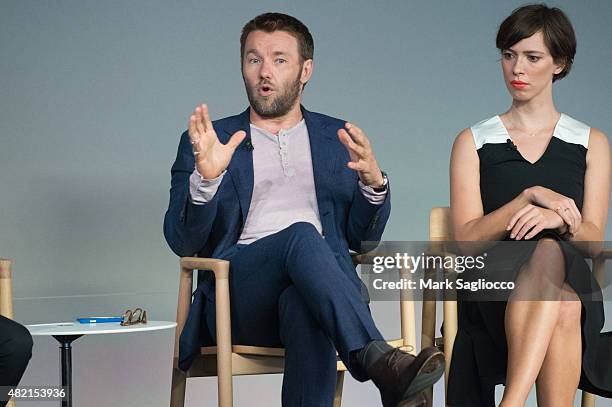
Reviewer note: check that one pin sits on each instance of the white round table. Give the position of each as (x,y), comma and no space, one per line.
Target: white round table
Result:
(66,332)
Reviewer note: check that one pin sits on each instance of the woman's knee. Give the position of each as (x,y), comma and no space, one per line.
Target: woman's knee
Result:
(546,267)
(548,250)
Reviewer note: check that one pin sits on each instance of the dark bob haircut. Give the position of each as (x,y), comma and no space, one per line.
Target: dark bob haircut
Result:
(556,29)
(270,22)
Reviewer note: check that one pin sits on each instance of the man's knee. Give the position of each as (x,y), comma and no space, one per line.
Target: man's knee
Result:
(17,347)
(301,239)
(21,342)
(302,229)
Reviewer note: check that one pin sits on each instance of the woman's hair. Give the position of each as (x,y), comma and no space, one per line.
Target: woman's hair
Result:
(556,29)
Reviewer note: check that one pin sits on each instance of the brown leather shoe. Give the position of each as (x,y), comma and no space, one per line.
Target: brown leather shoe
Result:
(400,377)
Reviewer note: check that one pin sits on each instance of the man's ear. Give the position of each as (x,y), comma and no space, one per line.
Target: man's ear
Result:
(306,71)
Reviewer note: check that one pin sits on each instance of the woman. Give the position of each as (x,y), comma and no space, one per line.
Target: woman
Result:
(532,173)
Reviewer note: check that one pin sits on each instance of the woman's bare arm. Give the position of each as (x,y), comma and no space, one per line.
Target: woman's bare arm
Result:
(467,214)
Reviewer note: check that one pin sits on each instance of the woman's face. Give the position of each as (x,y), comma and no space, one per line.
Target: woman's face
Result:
(528,68)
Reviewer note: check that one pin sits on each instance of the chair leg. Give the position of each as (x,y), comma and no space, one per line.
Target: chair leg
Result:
(179,382)
(428,324)
(450,332)
(339,385)
(224,380)
(224,337)
(588,399)
(599,266)
(428,327)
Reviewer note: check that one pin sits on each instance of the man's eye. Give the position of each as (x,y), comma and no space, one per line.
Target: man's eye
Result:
(253,60)
(280,60)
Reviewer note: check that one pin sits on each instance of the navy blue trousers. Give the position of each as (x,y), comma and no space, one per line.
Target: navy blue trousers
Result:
(289,290)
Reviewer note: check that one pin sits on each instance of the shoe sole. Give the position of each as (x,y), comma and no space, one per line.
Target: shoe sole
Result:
(429,373)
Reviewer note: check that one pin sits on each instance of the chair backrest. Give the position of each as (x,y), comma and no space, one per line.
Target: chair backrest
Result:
(6,297)
(439,224)
(6,289)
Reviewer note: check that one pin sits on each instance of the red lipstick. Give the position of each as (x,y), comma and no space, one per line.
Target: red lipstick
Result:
(519,84)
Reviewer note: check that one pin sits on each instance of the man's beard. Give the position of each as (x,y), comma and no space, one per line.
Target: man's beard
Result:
(274,105)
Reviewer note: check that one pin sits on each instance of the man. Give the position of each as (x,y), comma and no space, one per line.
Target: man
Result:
(15,353)
(283,194)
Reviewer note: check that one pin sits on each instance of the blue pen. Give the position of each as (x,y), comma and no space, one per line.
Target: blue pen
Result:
(99,320)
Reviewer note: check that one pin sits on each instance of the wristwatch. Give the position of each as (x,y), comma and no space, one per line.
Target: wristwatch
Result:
(385,184)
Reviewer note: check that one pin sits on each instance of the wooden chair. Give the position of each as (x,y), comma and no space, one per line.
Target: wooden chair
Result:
(6,296)
(226,360)
(440,231)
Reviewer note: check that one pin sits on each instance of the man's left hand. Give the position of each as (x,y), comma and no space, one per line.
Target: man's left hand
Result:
(362,156)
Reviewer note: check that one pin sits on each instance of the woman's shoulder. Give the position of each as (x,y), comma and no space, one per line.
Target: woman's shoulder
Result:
(485,131)
(598,140)
(598,152)
(582,133)
(488,131)
(573,131)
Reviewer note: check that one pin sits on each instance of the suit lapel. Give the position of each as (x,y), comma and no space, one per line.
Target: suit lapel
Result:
(322,149)
(241,165)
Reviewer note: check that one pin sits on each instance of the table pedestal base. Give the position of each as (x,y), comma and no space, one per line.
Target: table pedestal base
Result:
(66,362)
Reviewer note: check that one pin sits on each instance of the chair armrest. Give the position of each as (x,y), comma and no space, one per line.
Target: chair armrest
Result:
(605,254)
(359,259)
(362,258)
(219,267)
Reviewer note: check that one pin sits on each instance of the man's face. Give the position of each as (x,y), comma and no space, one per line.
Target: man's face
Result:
(273,72)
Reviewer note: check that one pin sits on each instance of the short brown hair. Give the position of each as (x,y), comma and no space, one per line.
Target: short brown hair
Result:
(270,22)
(556,29)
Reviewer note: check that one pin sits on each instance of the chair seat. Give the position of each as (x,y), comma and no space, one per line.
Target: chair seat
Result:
(246,350)
(249,360)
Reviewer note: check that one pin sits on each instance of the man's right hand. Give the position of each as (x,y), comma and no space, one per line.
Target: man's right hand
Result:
(211,156)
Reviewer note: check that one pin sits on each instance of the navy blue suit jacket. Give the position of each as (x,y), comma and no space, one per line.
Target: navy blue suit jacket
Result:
(213,229)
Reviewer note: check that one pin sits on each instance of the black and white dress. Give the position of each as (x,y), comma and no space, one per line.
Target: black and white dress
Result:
(480,352)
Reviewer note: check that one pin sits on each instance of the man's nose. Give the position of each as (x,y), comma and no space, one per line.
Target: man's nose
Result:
(265,71)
